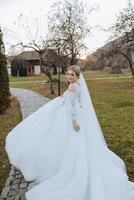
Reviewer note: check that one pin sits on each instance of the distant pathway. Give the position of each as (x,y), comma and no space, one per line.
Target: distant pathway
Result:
(95,78)
(16,186)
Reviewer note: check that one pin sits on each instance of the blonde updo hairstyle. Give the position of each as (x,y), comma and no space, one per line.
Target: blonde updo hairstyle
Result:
(74,68)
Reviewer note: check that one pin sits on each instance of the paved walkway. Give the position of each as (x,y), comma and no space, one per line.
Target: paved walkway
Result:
(16,186)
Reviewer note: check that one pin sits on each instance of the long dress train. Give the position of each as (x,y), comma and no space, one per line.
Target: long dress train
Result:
(65,164)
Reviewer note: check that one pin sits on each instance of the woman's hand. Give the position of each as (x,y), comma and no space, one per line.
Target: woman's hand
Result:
(76,125)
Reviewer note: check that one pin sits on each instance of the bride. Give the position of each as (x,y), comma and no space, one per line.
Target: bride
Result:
(62,149)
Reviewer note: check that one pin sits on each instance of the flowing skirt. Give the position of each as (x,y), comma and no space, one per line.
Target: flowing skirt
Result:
(62,162)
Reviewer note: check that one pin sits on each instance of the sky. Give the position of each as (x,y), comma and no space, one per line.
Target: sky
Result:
(104,16)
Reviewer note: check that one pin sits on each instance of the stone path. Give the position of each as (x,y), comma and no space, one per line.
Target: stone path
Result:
(16,186)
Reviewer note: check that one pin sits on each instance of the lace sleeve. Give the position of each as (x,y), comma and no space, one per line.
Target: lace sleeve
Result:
(73,98)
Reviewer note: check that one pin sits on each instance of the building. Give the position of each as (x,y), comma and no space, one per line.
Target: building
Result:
(32,61)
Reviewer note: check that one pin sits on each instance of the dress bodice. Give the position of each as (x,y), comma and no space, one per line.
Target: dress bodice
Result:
(72,99)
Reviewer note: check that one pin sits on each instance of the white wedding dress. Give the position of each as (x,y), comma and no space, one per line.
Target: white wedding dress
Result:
(65,164)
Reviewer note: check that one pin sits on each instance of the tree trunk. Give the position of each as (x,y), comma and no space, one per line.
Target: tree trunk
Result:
(63,70)
(54,69)
(41,62)
(50,84)
(130,61)
(72,62)
(46,72)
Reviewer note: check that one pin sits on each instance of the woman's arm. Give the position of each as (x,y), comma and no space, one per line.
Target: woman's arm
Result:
(72,97)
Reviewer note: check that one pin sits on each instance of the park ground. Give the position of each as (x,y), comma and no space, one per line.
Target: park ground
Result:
(113,100)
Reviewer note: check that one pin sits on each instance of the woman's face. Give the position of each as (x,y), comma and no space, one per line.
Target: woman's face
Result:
(71,76)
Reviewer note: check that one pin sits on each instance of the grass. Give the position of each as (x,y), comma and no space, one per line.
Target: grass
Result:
(27,78)
(87,74)
(7,121)
(101,74)
(114,104)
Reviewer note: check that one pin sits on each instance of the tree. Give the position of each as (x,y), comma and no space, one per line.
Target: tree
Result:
(68,27)
(124,29)
(4,80)
(35,41)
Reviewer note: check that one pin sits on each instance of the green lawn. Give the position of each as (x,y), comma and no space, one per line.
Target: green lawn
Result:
(114,104)
(101,74)
(7,121)
(87,74)
(27,78)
